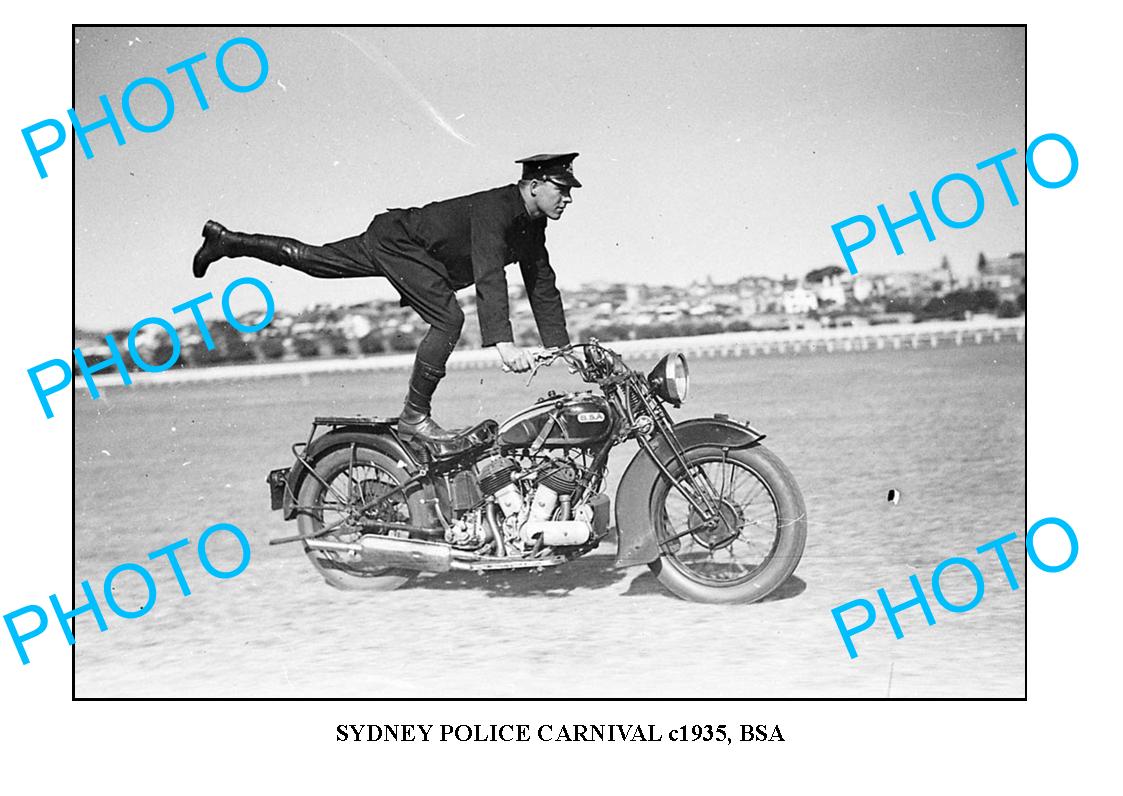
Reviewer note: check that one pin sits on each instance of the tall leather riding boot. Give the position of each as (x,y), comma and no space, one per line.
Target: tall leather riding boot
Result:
(415,420)
(220,242)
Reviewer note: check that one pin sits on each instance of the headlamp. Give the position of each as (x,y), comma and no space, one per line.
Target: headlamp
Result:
(670,379)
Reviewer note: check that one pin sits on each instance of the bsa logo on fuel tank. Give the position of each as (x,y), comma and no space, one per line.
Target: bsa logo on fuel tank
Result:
(590,417)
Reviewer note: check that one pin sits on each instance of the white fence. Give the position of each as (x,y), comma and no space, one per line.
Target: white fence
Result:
(736,344)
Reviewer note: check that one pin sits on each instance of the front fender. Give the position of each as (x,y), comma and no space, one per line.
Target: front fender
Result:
(636,543)
(381,441)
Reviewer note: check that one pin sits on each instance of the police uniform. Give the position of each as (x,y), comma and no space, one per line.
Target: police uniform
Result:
(427,254)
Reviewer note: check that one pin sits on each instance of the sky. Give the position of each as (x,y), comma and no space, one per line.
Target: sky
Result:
(705,152)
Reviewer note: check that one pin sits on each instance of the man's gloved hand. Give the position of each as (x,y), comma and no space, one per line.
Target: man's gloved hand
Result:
(514,358)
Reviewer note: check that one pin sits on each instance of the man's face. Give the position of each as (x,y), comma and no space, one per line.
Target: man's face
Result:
(551,199)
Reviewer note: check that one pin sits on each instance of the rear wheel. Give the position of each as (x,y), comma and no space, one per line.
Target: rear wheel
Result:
(352,476)
(754,540)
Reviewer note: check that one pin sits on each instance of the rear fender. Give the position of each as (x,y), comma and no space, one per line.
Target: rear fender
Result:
(380,440)
(637,543)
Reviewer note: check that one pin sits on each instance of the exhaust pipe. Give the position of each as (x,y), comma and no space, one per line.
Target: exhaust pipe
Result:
(388,551)
(406,553)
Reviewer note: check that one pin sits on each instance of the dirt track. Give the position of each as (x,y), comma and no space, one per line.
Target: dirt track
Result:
(945,427)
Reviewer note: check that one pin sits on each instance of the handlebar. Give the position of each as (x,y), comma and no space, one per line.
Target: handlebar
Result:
(538,358)
(597,358)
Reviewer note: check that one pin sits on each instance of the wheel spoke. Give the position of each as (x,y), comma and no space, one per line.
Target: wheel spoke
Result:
(351,477)
(341,489)
(746,526)
(757,490)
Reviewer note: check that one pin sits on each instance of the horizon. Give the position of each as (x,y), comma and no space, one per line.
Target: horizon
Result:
(212,315)
(719,151)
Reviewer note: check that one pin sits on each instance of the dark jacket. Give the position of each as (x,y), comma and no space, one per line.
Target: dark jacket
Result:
(474,237)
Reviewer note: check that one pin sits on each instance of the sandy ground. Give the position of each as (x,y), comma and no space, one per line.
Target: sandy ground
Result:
(944,426)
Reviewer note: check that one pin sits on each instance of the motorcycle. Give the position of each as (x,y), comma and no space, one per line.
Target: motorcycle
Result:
(716,516)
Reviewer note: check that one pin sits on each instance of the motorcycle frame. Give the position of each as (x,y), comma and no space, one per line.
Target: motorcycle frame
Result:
(354,434)
(662,446)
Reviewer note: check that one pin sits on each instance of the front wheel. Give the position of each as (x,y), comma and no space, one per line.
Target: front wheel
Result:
(755,536)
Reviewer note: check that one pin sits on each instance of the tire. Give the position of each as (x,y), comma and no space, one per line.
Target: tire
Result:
(717,565)
(374,471)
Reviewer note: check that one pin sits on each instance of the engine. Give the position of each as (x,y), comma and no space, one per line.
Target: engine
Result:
(531,507)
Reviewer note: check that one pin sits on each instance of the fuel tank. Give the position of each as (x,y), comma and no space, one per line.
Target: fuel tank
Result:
(574,420)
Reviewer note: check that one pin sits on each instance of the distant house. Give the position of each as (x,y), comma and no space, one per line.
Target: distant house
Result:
(355,325)
(831,291)
(703,309)
(1006,276)
(635,295)
(92,344)
(859,289)
(799,300)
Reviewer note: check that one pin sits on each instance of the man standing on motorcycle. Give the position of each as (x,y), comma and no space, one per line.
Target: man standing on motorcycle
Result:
(430,252)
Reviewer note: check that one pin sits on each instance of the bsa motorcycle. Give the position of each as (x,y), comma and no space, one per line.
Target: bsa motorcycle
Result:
(715,514)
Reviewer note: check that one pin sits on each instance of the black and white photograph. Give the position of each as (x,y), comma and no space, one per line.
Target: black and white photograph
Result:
(558,399)
(702,442)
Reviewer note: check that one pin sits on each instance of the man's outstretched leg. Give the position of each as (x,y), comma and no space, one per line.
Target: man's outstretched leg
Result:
(345,258)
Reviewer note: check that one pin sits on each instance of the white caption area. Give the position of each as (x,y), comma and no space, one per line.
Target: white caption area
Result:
(1058,738)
